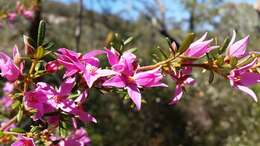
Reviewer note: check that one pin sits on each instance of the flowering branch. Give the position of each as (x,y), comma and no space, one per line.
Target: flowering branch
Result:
(56,109)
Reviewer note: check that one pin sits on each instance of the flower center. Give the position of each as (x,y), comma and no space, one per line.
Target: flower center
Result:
(130,79)
(237,79)
(58,99)
(91,68)
(31,99)
(27,143)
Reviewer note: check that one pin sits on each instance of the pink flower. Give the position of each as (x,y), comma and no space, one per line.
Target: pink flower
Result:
(8,87)
(52,66)
(58,99)
(28,14)
(199,48)
(91,73)
(182,78)
(6,100)
(87,65)
(37,100)
(237,49)
(7,66)
(113,56)
(129,79)
(45,99)
(23,141)
(77,138)
(11,17)
(70,60)
(242,77)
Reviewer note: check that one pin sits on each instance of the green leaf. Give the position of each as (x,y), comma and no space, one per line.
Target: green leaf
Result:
(164,56)
(186,43)
(16,104)
(49,46)
(223,48)
(18,130)
(128,40)
(1,133)
(63,129)
(208,57)
(41,33)
(132,50)
(35,129)
(233,61)
(73,96)
(245,60)
(37,66)
(19,115)
(211,77)
(220,60)
(39,52)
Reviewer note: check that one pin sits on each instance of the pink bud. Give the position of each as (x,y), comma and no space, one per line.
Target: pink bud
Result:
(28,14)
(11,17)
(52,66)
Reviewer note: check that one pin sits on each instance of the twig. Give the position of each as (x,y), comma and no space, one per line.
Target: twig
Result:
(9,123)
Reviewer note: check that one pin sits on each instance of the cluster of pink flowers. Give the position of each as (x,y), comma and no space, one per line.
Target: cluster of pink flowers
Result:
(20,10)
(49,103)
(240,77)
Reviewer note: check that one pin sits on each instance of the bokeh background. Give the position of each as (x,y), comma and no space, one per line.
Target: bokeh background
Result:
(208,114)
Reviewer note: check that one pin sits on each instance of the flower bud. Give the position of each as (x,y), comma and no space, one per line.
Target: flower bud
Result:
(28,45)
(52,66)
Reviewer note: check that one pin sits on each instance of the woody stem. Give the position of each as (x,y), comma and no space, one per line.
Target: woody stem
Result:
(149,67)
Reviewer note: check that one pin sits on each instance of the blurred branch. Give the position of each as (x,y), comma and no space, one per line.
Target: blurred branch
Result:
(33,29)
(158,21)
(192,16)
(79,25)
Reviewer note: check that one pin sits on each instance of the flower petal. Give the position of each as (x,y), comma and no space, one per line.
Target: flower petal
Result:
(149,78)
(177,95)
(248,91)
(238,49)
(128,60)
(66,87)
(135,95)
(93,53)
(203,37)
(232,39)
(112,56)
(115,81)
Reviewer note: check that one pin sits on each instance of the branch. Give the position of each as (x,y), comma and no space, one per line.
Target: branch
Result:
(79,25)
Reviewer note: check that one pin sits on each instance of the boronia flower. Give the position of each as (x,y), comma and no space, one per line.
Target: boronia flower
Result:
(38,101)
(87,65)
(237,49)
(182,78)
(199,48)
(23,141)
(129,78)
(45,98)
(241,78)
(7,66)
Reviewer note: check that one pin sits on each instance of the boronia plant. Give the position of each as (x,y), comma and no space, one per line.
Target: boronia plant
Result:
(57,111)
